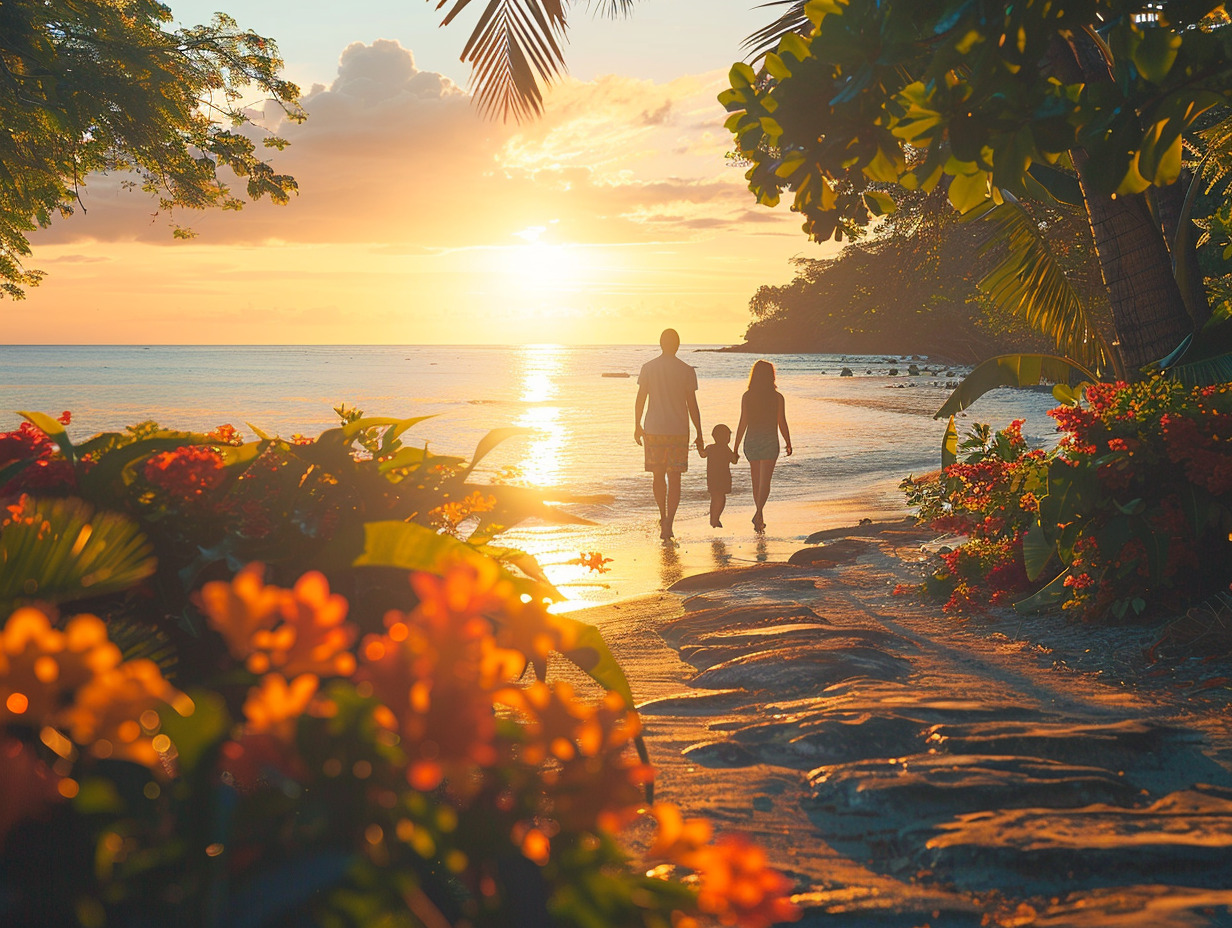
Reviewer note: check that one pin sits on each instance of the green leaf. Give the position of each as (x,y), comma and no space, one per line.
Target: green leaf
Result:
(196,733)
(55,431)
(967,191)
(490,441)
(1049,596)
(1156,53)
(949,445)
(741,76)
(878,203)
(1036,550)
(1012,370)
(775,66)
(60,550)
(408,546)
(591,654)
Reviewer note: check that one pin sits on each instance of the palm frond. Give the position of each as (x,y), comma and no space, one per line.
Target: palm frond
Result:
(766,39)
(57,550)
(612,9)
(514,51)
(1216,164)
(1028,282)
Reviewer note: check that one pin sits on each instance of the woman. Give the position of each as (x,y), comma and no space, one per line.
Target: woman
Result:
(762,416)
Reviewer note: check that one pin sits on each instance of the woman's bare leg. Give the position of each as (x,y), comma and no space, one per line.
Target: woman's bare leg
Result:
(761,472)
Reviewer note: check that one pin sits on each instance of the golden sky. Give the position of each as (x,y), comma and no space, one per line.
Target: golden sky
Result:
(420,222)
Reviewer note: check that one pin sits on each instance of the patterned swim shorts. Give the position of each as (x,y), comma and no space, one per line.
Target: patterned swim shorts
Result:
(668,453)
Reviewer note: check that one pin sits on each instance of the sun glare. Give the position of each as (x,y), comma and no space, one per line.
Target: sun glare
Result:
(540,369)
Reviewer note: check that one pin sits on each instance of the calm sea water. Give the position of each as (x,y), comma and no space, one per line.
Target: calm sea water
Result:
(855,437)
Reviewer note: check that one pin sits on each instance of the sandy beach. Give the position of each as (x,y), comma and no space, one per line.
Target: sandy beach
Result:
(909,769)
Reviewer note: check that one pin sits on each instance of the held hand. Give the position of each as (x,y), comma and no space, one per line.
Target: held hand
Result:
(638,432)
(701,444)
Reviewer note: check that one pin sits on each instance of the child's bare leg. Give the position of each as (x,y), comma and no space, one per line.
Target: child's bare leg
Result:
(717,502)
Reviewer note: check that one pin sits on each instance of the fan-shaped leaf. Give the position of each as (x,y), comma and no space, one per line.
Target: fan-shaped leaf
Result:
(58,550)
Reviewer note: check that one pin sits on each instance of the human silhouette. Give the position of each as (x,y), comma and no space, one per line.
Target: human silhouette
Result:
(762,415)
(667,394)
(719,459)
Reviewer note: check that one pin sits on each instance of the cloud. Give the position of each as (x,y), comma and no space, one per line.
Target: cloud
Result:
(398,157)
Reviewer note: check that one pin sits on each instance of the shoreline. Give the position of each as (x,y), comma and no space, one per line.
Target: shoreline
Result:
(863,739)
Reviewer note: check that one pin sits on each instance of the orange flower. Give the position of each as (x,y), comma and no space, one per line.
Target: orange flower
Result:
(313,637)
(109,714)
(239,609)
(275,705)
(735,884)
(590,779)
(41,667)
(296,631)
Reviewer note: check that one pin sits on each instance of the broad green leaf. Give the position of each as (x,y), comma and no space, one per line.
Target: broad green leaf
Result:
(1046,598)
(54,429)
(1012,370)
(591,654)
(490,441)
(884,168)
(59,550)
(776,67)
(1036,550)
(1155,54)
(949,445)
(741,76)
(408,546)
(196,732)
(790,164)
(879,203)
(967,191)
(795,45)
(817,10)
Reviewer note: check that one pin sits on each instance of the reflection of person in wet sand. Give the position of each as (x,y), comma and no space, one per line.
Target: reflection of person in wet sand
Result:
(762,415)
(670,386)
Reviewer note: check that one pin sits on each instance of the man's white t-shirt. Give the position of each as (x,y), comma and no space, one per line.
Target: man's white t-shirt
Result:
(669,383)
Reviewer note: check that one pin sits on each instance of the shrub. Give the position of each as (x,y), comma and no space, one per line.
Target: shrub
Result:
(1130,513)
(346,734)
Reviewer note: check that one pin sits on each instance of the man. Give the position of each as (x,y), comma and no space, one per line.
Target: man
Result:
(671,387)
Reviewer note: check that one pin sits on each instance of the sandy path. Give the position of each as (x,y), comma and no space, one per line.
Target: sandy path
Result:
(911,770)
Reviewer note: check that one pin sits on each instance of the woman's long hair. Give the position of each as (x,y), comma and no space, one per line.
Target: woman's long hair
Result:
(763,405)
(761,377)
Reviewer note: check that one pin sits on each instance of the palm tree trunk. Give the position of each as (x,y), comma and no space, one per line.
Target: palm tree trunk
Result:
(1147,308)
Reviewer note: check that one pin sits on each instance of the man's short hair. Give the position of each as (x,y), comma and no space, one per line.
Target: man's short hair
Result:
(669,341)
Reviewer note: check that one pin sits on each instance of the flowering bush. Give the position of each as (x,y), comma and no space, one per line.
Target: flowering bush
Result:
(991,496)
(187,742)
(1133,509)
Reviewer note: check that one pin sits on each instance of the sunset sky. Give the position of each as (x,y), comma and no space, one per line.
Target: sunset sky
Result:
(420,222)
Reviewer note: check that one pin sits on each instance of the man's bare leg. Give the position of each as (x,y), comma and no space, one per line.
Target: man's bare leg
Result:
(673,501)
(659,485)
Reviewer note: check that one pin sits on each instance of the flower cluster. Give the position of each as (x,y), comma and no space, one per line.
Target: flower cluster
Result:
(185,475)
(73,690)
(1140,484)
(46,468)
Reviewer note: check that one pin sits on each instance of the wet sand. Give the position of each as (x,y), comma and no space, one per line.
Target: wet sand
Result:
(908,769)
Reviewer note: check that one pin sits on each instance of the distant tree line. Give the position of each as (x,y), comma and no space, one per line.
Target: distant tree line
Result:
(913,286)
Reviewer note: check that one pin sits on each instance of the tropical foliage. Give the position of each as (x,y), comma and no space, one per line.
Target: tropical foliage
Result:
(1090,103)
(292,681)
(1129,515)
(96,86)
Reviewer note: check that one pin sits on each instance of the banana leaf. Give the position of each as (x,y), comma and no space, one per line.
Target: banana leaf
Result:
(1201,360)
(1046,598)
(1013,370)
(61,550)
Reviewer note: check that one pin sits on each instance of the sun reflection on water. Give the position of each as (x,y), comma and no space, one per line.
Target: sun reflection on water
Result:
(540,368)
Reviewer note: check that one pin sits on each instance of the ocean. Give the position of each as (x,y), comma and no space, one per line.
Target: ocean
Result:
(855,438)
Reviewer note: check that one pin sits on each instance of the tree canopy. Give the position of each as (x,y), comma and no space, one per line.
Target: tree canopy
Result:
(100,86)
(1094,103)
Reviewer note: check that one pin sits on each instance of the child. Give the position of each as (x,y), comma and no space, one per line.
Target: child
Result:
(719,459)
